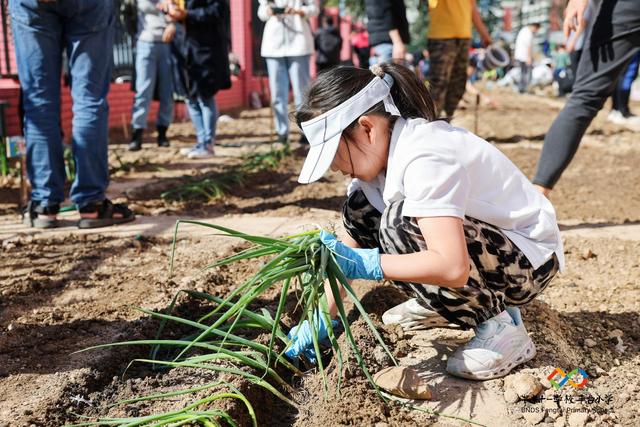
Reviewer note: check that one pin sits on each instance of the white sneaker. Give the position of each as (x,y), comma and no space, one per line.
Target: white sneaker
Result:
(616,117)
(413,316)
(632,120)
(186,150)
(501,343)
(201,152)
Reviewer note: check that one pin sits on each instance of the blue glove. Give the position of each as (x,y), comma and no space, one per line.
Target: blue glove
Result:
(303,340)
(354,263)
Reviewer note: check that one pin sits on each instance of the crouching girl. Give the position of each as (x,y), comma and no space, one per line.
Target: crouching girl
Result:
(433,208)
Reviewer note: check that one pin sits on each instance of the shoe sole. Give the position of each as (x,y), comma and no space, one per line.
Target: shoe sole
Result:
(104,222)
(40,223)
(527,353)
(211,156)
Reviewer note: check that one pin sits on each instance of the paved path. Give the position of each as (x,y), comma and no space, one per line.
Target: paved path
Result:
(163,226)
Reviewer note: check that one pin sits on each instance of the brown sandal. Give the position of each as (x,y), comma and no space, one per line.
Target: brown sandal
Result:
(107,214)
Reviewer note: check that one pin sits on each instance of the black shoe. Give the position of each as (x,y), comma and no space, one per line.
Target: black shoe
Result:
(104,214)
(40,216)
(163,141)
(136,140)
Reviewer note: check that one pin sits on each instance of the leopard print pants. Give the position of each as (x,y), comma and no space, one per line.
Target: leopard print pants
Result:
(500,274)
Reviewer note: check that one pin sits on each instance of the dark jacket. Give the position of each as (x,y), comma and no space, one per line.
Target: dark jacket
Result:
(207,47)
(328,44)
(384,16)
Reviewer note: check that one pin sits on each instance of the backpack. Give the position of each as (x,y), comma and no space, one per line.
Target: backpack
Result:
(328,45)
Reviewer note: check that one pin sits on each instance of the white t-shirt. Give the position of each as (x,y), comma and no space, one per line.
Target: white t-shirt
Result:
(524,40)
(441,170)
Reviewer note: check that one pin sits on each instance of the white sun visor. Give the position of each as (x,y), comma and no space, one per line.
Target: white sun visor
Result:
(324,131)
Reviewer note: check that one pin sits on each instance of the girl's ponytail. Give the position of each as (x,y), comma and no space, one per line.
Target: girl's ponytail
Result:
(335,86)
(409,93)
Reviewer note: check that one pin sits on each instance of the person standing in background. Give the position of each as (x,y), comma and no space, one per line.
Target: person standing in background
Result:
(328,44)
(523,54)
(620,113)
(85,29)
(388,30)
(153,65)
(360,44)
(206,52)
(449,40)
(612,40)
(287,45)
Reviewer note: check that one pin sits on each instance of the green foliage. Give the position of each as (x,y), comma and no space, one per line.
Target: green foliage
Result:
(215,185)
(355,8)
(299,264)
(69,164)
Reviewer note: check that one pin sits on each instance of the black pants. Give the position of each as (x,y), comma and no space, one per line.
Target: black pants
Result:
(525,76)
(601,64)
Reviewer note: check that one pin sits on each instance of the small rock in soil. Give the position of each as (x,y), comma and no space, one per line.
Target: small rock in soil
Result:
(534,417)
(587,254)
(525,385)
(578,419)
(623,397)
(620,348)
(616,333)
(510,396)
(381,356)
(590,343)
(560,422)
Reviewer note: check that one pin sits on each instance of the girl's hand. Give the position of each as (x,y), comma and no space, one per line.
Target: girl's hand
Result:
(301,337)
(354,263)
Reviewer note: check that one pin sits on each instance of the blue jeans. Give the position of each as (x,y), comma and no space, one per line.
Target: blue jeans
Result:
(630,73)
(381,53)
(204,115)
(294,69)
(153,63)
(85,30)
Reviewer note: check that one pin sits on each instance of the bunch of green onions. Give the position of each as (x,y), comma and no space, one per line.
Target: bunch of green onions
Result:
(300,264)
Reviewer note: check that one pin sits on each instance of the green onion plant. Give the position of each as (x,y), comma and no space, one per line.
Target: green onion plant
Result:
(298,265)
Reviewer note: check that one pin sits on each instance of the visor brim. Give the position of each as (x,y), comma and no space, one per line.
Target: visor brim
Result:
(319,160)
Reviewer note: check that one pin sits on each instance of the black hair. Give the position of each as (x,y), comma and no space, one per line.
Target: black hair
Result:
(327,21)
(338,84)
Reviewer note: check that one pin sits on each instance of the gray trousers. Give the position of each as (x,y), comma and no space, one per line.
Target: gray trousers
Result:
(601,65)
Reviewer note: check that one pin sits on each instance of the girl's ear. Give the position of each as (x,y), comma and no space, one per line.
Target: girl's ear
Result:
(367,125)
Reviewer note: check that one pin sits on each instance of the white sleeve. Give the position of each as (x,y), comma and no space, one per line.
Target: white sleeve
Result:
(353,186)
(310,9)
(262,11)
(435,185)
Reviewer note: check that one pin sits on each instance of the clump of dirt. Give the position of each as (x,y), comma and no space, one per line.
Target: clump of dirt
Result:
(349,398)
(141,380)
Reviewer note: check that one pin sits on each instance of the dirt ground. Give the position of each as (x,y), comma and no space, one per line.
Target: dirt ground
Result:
(65,291)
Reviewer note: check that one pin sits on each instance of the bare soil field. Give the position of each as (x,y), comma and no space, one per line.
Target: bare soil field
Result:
(61,292)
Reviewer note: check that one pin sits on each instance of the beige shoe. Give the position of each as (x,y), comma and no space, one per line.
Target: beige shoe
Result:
(413,316)
(402,381)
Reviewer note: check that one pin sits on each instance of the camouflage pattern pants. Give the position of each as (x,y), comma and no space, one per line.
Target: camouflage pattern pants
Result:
(448,60)
(500,274)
